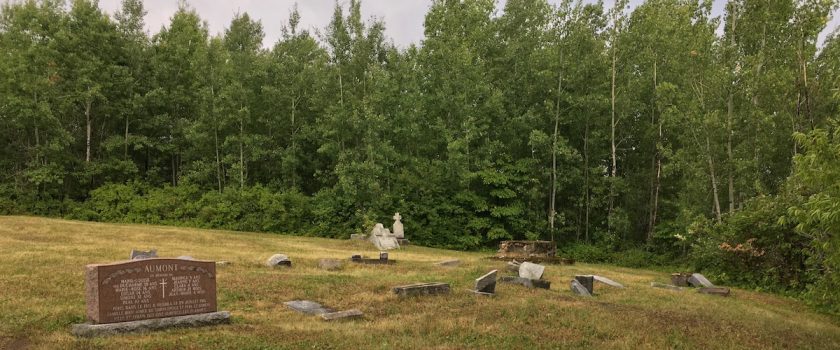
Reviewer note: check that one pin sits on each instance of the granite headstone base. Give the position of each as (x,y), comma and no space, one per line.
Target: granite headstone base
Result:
(87,330)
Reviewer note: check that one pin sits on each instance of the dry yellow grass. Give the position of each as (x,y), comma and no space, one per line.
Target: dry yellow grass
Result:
(42,294)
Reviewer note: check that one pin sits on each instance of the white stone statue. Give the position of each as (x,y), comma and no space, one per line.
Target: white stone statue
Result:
(398,227)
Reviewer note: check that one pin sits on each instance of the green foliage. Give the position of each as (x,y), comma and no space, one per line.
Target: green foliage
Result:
(631,137)
(754,247)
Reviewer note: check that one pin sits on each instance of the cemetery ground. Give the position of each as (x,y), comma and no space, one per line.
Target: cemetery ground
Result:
(42,294)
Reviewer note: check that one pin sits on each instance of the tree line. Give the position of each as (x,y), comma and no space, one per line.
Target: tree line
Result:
(661,130)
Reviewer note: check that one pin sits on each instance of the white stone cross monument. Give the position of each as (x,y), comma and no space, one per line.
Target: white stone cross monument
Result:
(398,227)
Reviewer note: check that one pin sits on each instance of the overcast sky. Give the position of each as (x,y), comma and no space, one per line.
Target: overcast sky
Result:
(403,18)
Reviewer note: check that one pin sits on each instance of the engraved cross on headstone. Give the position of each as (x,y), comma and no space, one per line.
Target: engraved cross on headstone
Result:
(163,288)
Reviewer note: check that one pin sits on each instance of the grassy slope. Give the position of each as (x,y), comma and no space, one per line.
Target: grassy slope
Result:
(42,294)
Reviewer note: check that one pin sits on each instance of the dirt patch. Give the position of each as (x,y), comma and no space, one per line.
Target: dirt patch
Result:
(14,343)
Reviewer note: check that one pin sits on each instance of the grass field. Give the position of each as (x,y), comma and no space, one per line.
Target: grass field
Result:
(42,295)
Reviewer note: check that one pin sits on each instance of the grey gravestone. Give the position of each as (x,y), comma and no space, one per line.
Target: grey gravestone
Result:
(98,330)
(680,279)
(526,282)
(579,289)
(421,289)
(329,264)
(699,280)
(486,284)
(666,286)
(360,237)
(587,281)
(308,307)
(449,263)
(139,254)
(278,260)
(608,281)
(383,256)
(531,271)
(342,315)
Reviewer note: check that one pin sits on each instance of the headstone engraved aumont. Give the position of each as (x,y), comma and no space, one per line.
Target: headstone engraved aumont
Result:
(150,288)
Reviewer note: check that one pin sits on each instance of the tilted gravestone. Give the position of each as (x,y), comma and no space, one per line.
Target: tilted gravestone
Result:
(699,280)
(139,254)
(531,271)
(587,281)
(486,284)
(607,281)
(579,288)
(149,294)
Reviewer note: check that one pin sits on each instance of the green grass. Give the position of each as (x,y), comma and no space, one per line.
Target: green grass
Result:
(42,295)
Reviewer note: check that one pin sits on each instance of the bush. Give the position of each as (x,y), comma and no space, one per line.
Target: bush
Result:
(752,248)
(588,253)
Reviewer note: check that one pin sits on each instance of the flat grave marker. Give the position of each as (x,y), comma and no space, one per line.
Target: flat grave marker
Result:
(421,289)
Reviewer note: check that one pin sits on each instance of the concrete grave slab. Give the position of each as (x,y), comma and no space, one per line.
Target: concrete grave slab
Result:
(308,307)
(449,263)
(666,286)
(531,271)
(421,289)
(724,292)
(526,282)
(342,315)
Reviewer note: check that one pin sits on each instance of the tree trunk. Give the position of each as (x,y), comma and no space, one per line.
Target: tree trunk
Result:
(613,161)
(730,111)
(125,146)
(88,130)
(241,151)
(656,164)
(586,177)
(551,208)
(716,203)
(216,138)
(294,143)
